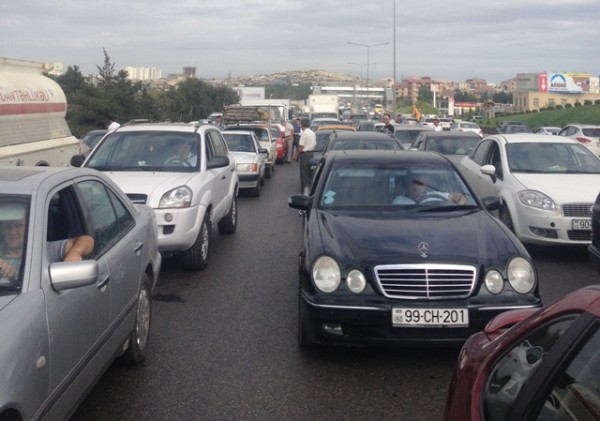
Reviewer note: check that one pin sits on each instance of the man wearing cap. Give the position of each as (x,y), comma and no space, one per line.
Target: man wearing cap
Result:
(13,225)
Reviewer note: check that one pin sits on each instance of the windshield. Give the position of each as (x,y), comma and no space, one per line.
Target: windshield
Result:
(239,142)
(548,158)
(13,234)
(369,186)
(452,145)
(147,151)
(364,144)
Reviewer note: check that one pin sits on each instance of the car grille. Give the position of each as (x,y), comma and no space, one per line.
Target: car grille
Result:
(578,209)
(138,199)
(429,281)
(580,235)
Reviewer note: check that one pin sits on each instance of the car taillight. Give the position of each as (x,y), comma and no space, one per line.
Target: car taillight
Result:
(583,140)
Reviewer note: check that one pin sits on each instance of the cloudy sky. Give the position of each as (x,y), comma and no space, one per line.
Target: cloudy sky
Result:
(447,40)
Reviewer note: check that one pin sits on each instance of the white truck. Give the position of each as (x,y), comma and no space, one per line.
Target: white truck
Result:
(279,109)
(33,129)
(323,106)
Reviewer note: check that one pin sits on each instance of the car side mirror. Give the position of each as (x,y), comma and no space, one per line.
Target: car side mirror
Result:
(492,203)
(218,161)
(263,151)
(77,160)
(489,170)
(299,201)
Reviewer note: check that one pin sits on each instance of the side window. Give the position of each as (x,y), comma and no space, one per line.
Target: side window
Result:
(480,153)
(496,160)
(576,392)
(217,142)
(510,374)
(110,219)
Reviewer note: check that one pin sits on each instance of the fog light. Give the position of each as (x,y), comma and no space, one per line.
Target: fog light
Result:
(334,329)
(544,232)
(168,217)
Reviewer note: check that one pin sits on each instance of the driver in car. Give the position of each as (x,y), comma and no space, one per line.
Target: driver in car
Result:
(184,155)
(422,190)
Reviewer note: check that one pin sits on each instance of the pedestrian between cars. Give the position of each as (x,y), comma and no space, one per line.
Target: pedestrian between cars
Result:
(12,228)
(308,141)
(388,127)
(297,133)
(184,155)
(421,190)
(288,138)
(437,125)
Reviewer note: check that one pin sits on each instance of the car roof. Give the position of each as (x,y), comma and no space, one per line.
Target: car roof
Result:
(531,138)
(176,127)
(247,132)
(350,135)
(340,127)
(451,134)
(384,156)
(414,128)
(26,180)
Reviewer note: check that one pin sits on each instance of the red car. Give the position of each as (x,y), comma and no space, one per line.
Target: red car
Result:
(277,133)
(541,364)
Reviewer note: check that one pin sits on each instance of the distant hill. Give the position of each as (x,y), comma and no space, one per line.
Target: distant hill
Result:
(313,77)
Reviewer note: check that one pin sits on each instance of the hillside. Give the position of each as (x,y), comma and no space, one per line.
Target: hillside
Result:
(585,114)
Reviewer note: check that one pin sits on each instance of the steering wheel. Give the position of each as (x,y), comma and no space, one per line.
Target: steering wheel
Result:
(176,161)
(433,197)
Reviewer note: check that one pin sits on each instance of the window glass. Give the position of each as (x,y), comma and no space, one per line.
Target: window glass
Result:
(105,225)
(513,370)
(217,142)
(14,218)
(576,392)
(481,152)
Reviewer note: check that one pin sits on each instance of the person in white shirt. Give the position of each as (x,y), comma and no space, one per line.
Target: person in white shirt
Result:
(288,138)
(184,156)
(437,126)
(308,141)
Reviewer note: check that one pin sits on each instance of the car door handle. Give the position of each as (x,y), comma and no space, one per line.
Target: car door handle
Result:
(138,246)
(103,282)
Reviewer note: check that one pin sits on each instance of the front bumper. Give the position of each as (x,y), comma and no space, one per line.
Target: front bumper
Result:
(371,324)
(535,226)
(248,181)
(178,228)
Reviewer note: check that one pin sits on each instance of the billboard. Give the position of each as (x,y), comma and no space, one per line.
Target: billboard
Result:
(568,83)
(245,92)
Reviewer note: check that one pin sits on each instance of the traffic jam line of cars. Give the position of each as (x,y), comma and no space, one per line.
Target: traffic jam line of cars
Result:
(399,247)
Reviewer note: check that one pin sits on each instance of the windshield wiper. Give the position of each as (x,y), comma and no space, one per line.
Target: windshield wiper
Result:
(446,208)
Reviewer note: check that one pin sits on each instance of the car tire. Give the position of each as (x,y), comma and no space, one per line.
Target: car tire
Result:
(306,338)
(196,257)
(504,216)
(138,338)
(228,224)
(268,171)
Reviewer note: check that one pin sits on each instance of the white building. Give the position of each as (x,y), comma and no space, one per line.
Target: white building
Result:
(143,73)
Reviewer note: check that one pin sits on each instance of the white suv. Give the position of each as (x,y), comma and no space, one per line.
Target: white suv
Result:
(184,172)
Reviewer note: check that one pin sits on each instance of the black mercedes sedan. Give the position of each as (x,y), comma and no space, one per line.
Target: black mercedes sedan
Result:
(398,250)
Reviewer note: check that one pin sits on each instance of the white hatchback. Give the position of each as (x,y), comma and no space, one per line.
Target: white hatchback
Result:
(547,185)
(586,134)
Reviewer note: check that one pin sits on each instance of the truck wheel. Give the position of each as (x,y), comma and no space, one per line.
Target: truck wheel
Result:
(196,257)
(228,224)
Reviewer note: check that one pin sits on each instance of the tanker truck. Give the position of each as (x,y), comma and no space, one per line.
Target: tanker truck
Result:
(33,129)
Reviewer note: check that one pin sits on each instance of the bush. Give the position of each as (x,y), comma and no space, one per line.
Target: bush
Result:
(597,102)
(587,102)
(527,111)
(535,111)
(558,107)
(568,105)
(577,104)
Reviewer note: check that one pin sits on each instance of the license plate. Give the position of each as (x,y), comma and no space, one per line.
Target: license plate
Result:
(430,317)
(581,224)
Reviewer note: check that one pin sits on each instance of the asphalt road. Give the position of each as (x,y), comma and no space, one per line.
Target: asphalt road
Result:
(223,341)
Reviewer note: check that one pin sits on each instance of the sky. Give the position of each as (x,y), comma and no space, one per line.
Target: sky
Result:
(445,40)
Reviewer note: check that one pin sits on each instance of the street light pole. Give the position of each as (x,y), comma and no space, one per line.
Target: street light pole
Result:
(356,83)
(368,47)
(394,72)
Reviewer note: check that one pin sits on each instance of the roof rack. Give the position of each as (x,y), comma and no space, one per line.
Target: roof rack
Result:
(246,114)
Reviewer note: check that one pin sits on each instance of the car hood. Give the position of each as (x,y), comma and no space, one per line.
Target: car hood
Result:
(152,184)
(475,238)
(559,186)
(244,157)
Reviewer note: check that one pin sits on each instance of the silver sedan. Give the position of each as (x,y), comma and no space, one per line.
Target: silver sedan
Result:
(78,262)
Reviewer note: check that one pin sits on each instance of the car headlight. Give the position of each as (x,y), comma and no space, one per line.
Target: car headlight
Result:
(521,275)
(326,274)
(494,282)
(180,197)
(356,281)
(537,199)
(247,167)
